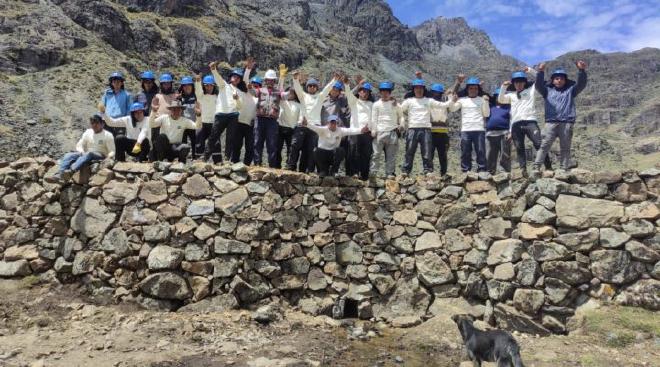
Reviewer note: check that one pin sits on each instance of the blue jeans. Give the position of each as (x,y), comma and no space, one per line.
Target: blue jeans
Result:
(470,139)
(421,137)
(75,160)
(266,130)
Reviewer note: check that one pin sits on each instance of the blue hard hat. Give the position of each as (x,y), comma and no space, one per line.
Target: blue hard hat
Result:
(338,85)
(333,118)
(148,75)
(186,80)
(437,87)
(559,71)
(312,81)
(519,75)
(166,78)
(418,83)
(257,80)
(208,79)
(497,91)
(367,86)
(386,86)
(137,106)
(237,71)
(473,80)
(116,75)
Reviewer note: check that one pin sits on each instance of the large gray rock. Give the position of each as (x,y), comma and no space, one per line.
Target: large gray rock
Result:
(166,286)
(582,241)
(551,187)
(219,303)
(639,228)
(249,288)
(406,217)
(196,186)
(505,251)
(316,280)
(232,202)
(614,266)
(153,192)
(576,212)
(641,252)
(456,216)
(225,266)
(223,246)
(120,193)
(611,238)
(546,251)
(164,257)
(116,241)
(383,283)
(500,290)
(288,220)
(15,268)
(86,261)
(539,215)
(496,228)
(349,253)
(556,290)
(432,270)
(509,318)
(200,207)
(92,219)
(644,293)
(427,241)
(475,258)
(409,298)
(455,240)
(528,301)
(568,271)
(527,271)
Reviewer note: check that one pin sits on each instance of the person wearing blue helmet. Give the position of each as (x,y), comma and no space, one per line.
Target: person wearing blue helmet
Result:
(439,127)
(337,104)
(244,129)
(149,90)
(560,114)
(386,120)
(136,140)
(116,100)
(227,109)
(521,94)
(474,107)
(207,93)
(418,110)
(192,108)
(311,103)
(165,95)
(498,147)
(360,146)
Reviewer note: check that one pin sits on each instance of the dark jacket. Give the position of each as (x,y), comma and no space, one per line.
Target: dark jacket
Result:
(560,103)
(338,106)
(499,118)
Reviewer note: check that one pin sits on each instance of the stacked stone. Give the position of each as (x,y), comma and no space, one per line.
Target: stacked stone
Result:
(200,237)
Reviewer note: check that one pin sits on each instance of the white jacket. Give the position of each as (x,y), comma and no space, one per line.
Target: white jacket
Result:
(207,102)
(311,104)
(139,132)
(330,140)
(102,143)
(174,129)
(419,111)
(289,113)
(248,109)
(473,112)
(360,110)
(385,116)
(225,102)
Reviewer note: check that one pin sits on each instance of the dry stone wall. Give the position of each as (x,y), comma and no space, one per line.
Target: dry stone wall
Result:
(200,237)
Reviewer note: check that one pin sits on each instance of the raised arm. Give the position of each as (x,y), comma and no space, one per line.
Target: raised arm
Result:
(539,84)
(218,78)
(581,78)
(112,122)
(502,98)
(199,89)
(326,90)
(485,107)
(300,92)
(156,121)
(346,131)
(455,105)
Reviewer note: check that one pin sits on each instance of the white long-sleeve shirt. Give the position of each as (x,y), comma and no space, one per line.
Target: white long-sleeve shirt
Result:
(289,113)
(174,129)
(139,132)
(102,143)
(225,102)
(360,110)
(385,116)
(523,108)
(330,140)
(248,109)
(311,104)
(473,112)
(419,111)
(207,103)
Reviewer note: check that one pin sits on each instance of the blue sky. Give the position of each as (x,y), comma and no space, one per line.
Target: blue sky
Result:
(537,30)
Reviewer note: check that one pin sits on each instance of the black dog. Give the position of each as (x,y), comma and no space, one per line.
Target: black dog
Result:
(490,345)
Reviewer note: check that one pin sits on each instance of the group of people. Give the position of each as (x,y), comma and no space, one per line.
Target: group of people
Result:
(325,127)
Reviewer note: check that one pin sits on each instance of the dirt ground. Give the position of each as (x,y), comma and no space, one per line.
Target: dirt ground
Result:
(43,325)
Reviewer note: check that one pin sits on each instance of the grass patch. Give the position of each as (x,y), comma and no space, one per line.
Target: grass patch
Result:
(617,326)
(30,281)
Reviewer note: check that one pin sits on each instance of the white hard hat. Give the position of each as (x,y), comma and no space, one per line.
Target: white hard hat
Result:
(271,74)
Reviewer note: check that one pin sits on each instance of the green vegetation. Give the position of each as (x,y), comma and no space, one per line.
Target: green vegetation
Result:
(617,327)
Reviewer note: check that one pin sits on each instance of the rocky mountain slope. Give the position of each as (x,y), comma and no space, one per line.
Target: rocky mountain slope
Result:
(56,55)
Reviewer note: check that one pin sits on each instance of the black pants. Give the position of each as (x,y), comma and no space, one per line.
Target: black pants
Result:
(223,122)
(421,137)
(285,137)
(498,148)
(190,137)
(266,131)
(303,144)
(440,144)
(164,150)
(328,161)
(202,135)
(243,135)
(530,129)
(360,152)
(124,145)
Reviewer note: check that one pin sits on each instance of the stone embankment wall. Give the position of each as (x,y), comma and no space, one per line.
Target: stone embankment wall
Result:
(202,237)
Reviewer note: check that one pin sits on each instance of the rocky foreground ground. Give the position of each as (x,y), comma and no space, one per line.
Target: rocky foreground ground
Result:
(48,324)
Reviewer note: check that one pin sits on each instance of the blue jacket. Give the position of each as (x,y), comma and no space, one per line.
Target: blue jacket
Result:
(499,118)
(116,105)
(560,103)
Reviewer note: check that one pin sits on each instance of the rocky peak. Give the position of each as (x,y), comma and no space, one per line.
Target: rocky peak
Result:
(453,36)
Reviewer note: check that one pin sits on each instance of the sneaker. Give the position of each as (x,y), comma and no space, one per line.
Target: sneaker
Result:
(524,173)
(56,178)
(391,177)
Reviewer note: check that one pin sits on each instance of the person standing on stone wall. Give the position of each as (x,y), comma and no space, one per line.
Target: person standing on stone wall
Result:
(288,119)
(520,93)
(337,104)
(559,95)
(304,139)
(266,128)
(329,154)
(418,125)
(474,109)
(207,93)
(227,108)
(244,130)
(192,108)
(360,146)
(439,127)
(136,140)
(116,99)
(498,146)
(386,129)
(149,90)
(95,144)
